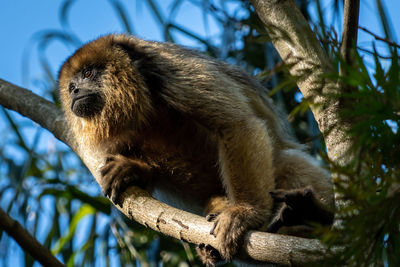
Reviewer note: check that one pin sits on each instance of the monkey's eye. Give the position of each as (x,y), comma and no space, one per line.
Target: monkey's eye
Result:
(87,73)
(72,86)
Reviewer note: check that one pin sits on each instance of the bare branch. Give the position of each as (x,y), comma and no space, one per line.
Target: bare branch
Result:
(27,242)
(35,108)
(389,42)
(140,206)
(350,28)
(372,53)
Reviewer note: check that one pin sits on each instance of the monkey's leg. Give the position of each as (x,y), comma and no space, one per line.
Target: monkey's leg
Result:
(245,154)
(119,172)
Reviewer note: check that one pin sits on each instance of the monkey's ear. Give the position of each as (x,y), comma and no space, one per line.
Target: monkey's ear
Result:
(146,64)
(137,57)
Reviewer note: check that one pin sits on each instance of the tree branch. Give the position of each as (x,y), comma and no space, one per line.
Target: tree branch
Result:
(137,204)
(389,42)
(350,29)
(27,242)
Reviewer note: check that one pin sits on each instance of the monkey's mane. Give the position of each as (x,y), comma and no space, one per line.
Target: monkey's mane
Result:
(121,85)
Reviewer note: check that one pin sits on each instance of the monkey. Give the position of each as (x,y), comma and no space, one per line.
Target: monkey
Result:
(196,132)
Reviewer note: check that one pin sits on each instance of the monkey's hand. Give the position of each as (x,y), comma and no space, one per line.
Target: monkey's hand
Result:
(230,226)
(120,172)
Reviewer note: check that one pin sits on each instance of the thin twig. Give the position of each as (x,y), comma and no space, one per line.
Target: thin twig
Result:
(371,53)
(27,242)
(389,42)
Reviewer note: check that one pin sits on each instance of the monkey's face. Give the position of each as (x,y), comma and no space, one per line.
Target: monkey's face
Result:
(86,97)
(102,91)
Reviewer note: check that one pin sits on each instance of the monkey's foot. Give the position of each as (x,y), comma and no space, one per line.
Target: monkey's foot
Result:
(230,226)
(208,255)
(300,206)
(119,172)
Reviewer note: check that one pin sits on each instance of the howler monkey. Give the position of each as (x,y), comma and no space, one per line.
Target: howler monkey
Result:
(192,130)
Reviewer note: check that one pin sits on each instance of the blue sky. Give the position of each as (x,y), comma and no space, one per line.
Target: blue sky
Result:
(21,19)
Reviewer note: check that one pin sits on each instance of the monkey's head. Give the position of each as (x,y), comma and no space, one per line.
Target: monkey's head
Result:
(101,90)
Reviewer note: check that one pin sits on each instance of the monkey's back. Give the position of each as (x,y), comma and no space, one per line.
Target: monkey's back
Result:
(192,73)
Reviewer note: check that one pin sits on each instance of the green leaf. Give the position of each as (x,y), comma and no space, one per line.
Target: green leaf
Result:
(84,211)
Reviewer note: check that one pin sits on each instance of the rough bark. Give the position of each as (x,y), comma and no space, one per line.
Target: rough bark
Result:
(140,206)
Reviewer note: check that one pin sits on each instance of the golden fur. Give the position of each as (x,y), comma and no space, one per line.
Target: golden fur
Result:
(192,130)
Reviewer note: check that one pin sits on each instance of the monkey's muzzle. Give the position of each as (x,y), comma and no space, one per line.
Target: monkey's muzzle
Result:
(86,105)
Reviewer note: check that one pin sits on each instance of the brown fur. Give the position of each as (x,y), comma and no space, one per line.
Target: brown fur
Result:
(192,130)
